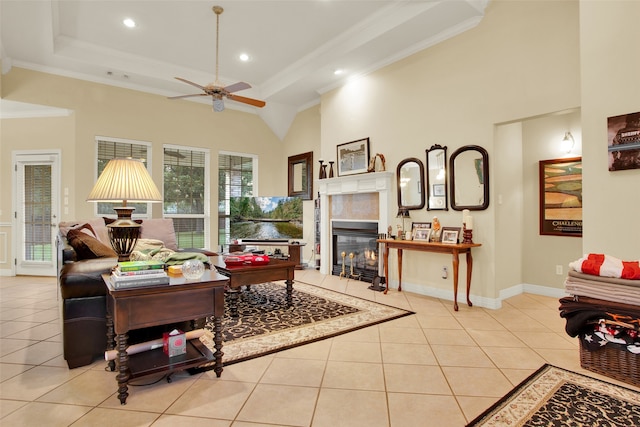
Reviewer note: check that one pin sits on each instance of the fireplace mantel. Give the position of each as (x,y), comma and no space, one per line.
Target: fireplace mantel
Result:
(375,182)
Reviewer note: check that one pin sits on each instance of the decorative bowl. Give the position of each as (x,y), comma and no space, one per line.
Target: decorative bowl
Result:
(192,269)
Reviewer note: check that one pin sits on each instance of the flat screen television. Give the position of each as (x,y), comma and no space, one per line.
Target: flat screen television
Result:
(265,219)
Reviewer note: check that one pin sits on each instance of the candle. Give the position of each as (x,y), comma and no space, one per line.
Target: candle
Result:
(469,222)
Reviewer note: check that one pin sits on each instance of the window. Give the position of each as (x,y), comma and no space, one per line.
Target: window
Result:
(186,194)
(236,177)
(112,148)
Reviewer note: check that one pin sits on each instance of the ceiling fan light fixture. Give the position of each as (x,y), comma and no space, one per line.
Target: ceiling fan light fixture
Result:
(215,90)
(218,105)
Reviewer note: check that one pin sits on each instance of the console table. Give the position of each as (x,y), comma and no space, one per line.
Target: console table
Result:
(447,248)
(181,300)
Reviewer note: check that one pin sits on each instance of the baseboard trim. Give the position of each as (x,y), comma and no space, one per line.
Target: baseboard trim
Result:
(480,301)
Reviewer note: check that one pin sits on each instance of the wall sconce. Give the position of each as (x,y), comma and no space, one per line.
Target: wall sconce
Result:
(567,143)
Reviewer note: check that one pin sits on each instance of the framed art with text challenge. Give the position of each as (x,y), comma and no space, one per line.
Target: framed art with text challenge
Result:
(353,157)
(561,197)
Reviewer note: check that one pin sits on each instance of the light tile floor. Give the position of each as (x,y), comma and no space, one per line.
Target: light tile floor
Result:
(436,368)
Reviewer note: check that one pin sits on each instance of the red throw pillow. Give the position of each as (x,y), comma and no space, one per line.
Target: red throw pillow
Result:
(87,246)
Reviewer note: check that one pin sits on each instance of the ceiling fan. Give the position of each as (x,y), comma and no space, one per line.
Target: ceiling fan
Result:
(215,90)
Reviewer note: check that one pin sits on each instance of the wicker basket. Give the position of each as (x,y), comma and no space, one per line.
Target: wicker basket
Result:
(612,362)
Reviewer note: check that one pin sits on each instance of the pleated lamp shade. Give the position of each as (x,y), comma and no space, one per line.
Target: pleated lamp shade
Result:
(125,180)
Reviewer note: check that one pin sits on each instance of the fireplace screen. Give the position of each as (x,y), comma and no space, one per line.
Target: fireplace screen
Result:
(355,250)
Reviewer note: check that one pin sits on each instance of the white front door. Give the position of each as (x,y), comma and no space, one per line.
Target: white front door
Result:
(36,216)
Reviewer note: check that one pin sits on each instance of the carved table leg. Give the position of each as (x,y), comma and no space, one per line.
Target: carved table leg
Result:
(399,270)
(217,344)
(469,268)
(386,269)
(456,264)
(234,296)
(110,341)
(123,368)
(289,283)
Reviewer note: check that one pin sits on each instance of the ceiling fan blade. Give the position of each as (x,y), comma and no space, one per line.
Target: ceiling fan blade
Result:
(190,83)
(237,86)
(186,96)
(245,100)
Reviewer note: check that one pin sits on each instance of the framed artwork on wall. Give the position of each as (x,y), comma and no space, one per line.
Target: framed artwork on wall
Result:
(353,157)
(624,141)
(561,197)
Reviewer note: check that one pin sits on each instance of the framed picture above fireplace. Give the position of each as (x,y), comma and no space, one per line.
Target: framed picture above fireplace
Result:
(353,157)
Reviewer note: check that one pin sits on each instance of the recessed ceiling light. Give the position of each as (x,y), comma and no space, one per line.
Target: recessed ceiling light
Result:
(338,72)
(244,57)
(128,22)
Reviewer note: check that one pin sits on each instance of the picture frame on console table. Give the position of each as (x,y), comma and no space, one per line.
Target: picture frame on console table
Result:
(421,234)
(353,157)
(450,235)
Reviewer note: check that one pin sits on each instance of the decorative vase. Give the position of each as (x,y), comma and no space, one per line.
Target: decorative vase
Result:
(192,269)
(331,169)
(322,170)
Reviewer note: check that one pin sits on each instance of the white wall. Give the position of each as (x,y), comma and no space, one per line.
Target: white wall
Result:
(609,45)
(521,61)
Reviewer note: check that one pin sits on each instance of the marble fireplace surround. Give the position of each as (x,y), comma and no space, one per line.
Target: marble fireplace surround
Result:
(339,198)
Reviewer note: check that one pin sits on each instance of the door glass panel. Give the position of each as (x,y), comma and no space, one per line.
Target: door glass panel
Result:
(37,213)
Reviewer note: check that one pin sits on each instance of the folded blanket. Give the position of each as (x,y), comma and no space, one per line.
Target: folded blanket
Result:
(606,266)
(580,312)
(166,255)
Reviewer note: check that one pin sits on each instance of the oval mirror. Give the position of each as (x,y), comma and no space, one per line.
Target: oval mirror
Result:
(437,191)
(410,186)
(469,176)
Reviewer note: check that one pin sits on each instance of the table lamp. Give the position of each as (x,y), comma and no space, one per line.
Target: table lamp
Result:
(124,180)
(403,213)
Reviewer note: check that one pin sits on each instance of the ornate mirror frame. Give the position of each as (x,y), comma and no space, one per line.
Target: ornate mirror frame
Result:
(437,185)
(300,176)
(469,177)
(410,179)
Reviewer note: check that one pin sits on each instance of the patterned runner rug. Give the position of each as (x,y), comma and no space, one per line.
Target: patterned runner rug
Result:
(266,325)
(553,396)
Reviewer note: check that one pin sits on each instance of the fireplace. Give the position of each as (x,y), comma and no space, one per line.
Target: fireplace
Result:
(355,250)
(351,199)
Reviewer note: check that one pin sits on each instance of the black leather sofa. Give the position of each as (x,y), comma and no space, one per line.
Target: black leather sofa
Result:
(84,294)
(84,304)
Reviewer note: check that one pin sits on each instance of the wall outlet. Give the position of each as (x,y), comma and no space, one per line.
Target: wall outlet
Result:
(445,273)
(559,270)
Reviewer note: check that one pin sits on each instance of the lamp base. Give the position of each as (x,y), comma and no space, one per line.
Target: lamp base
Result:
(123,233)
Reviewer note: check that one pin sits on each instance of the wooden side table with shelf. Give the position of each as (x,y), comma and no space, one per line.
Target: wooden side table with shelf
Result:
(142,307)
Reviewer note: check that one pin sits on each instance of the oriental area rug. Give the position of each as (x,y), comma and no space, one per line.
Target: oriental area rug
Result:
(553,396)
(267,325)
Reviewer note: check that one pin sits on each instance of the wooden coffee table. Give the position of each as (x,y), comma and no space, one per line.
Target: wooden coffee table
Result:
(247,275)
(181,300)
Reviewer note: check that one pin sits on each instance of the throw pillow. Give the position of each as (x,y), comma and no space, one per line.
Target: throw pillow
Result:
(87,246)
(100,230)
(160,229)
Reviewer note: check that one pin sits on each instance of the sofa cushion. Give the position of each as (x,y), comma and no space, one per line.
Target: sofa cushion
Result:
(160,229)
(87,246)
(100,230)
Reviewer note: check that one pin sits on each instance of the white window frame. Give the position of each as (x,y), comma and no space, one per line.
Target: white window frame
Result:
(149,161)
(207,189)
(254,170)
